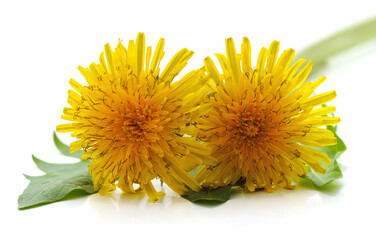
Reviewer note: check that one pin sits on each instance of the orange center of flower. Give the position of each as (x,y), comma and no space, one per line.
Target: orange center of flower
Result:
(248,128)
(141,124)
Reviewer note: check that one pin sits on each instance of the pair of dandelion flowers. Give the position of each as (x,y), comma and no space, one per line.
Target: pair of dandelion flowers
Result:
(136,122)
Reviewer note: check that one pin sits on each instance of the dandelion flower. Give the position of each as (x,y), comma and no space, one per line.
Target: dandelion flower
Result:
(134,124)
(264,124)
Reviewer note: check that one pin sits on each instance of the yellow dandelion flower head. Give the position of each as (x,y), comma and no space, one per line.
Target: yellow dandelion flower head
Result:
(130,120)
(264,123)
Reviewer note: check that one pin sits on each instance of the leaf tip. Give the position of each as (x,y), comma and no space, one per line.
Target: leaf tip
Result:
(35,159)
(26,176)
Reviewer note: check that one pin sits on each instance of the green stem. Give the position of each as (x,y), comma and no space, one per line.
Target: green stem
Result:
(319,52)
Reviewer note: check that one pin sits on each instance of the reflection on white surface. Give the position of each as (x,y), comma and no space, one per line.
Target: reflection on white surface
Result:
(172,209)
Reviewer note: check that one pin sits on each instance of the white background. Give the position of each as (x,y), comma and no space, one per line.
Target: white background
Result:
(41,45)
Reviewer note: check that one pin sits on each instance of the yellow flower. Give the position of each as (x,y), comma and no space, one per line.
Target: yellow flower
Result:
(130,120)
(264,124)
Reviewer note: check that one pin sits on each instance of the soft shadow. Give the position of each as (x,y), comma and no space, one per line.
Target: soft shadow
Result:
(73,195)
(126,208)
(332,188)
(208,203)
(77,193)
(34,206)
(131,198)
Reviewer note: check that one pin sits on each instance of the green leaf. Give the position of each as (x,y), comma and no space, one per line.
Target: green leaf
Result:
(221,194)
(64,149)
(333,171)
(335,151)
(60,181)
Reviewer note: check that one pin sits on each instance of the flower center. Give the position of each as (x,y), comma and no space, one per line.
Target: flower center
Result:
(138,125)
(248,128)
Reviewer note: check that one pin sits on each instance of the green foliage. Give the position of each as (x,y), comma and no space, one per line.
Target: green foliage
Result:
(335,151)
(333,171)
(64,149)
(61,181)
(321,51)
(57,183)
(221,194)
